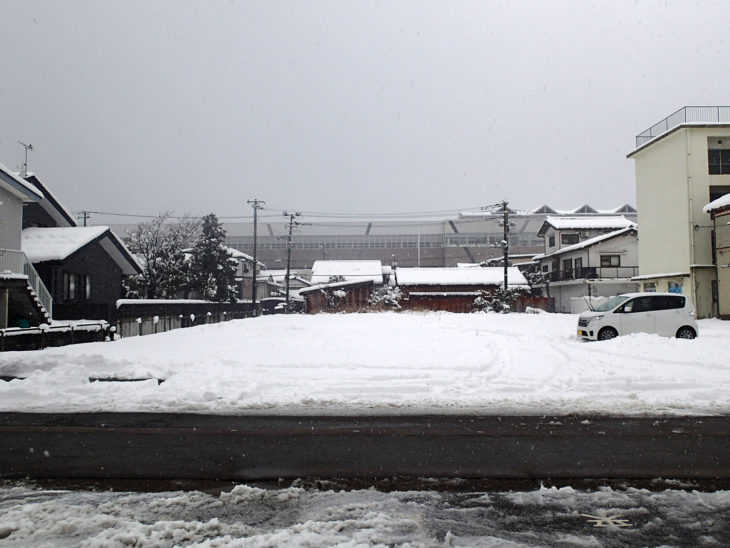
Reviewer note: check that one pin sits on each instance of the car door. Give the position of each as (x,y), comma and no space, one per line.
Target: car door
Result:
(637,316)
(668,318)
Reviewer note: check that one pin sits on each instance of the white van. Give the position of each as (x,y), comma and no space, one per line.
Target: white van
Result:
(666,314)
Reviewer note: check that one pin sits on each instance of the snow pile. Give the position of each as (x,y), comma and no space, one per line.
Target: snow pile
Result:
(249,516)
(385,362)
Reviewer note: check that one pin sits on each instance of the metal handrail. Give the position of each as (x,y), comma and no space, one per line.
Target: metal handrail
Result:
(15,262)
(682,116)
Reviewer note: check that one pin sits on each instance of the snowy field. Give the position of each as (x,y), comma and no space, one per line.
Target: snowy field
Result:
(380,363)
(248,516)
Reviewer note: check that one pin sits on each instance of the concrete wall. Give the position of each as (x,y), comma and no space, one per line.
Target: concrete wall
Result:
(11,220)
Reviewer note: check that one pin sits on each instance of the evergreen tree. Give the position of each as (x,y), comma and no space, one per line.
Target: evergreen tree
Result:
(159,246)
(212,272)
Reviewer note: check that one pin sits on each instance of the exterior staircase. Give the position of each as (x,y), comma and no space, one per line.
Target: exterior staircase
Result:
(24,299)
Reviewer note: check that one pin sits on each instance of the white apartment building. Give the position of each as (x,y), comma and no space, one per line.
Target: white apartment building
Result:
(681,164)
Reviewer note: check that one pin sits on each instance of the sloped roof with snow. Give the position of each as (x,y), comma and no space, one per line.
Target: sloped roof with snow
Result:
(59,243)
(322,271)
(18,187)
(587,243)
(459,276)
(594,222)
(51,205)
(720,203)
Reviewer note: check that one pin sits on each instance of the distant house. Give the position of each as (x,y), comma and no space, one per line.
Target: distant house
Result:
(452,289)
(598,266)
(81,266)
(24,300)
(719,211)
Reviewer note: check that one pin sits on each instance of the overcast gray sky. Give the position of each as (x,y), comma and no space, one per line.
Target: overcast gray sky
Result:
(344,106)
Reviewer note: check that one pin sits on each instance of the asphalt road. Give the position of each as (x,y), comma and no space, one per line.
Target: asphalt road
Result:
(248,448)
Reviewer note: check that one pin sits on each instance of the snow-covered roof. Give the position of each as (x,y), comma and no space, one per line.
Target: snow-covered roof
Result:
(58,243)
(18,187)
(592,222)
(322,271)
(51,205)
(720,203)
(587,243)
(334,285)
(459,276)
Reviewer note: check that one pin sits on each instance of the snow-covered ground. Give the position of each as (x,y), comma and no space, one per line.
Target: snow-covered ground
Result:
(248,516)
(402,363)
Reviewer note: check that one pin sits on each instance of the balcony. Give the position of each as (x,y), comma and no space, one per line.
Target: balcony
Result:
(593,272)
(683,116)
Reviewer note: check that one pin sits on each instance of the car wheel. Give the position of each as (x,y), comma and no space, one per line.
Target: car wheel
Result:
(607,333)
(686,333)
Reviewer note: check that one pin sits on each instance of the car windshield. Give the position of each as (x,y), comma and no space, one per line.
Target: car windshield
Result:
(611,303)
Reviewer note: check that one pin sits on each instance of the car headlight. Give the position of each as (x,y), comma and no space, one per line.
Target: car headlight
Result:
(595,318)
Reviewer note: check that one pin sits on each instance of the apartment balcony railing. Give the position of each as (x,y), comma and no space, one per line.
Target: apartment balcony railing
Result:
(682,116)
(15,262)
(594,272)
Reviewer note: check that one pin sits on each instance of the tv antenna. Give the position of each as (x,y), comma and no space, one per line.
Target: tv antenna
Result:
(25,165)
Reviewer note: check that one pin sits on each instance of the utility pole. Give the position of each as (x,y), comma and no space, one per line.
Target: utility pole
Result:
(85,215)
(25,165)
(256,205)
(505,240)
(292,223)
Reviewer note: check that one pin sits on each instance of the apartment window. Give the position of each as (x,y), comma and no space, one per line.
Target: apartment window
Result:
(568,239)
(718,155)
(568,267)
(551,240)
(610,260)
(579,266)
(674,287)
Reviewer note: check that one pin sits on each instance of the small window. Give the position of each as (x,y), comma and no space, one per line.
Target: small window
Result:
(87,287)
(650,287)
(610,260)
(545,268)
(70,286)
(718,155)
(569,239)
(675,287)
(551,241)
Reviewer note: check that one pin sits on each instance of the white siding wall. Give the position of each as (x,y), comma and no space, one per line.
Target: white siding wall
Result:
(11,220)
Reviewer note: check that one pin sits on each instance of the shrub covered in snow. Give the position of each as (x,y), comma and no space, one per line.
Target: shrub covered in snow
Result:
(385,297)
(501,300)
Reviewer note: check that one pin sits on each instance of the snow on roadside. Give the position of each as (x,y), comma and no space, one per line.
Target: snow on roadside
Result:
(249,516)
(480,363)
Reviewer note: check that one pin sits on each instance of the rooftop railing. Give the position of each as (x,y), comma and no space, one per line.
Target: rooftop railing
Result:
(15,262)
(682,116)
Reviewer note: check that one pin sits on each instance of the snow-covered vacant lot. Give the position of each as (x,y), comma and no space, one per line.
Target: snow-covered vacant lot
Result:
(380,363)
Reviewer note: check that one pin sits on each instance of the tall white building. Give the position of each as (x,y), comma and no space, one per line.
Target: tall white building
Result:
(682,163)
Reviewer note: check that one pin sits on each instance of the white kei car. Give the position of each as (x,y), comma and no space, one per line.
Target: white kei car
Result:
(666,314)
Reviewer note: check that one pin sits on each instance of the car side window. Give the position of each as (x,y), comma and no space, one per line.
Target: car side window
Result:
(639,304)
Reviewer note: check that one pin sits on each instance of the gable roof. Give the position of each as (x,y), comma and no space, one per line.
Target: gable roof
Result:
(592,222)
(322,271)
(588,243)
(59,243)
(459,276)
(51,205)
(18,187)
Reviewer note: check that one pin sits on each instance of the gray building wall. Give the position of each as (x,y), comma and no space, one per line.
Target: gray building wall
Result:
(11,220)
